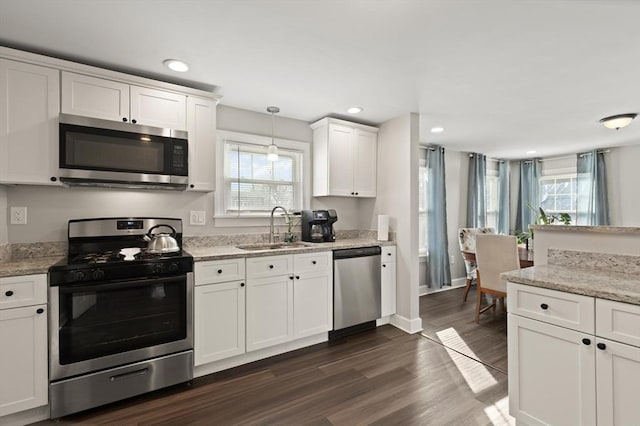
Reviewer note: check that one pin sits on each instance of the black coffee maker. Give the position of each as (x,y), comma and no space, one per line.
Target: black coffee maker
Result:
(317,226)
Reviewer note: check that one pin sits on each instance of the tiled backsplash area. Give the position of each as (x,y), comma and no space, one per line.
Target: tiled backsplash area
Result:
(20,251)
(5,252)
(601,261)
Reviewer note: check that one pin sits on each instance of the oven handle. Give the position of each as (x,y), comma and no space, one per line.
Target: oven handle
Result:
(118,285)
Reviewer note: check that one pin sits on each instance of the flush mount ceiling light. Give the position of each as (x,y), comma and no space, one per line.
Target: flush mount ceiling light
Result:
(272,150)
(354,110)
(531,152)
(437,129)
(176,65)
(618,121)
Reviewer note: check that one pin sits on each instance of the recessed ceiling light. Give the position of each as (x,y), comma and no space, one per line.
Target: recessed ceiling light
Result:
(176,65)
(531,152)
(354,110)
(437,129)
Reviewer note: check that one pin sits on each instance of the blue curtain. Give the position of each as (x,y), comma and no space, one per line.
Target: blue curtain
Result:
(593,200)
(503,197)
(438,269)
(528,194)
(476,191)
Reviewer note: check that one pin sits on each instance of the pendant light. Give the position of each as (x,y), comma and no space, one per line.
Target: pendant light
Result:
(272,150)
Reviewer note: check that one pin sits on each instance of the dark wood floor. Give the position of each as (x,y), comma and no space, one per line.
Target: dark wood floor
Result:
(449,320)
(381,377)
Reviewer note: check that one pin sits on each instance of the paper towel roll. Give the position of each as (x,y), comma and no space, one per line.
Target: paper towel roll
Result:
(383,227)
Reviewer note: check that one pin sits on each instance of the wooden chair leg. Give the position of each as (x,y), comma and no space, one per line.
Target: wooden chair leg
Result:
(478,300)
(467,288)
(502,307)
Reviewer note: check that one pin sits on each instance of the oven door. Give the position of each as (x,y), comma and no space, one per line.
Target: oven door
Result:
(98,326)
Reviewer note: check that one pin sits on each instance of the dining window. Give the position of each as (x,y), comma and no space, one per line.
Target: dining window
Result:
(558,194)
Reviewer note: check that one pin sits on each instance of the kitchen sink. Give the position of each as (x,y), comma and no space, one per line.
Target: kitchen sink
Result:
(271,246)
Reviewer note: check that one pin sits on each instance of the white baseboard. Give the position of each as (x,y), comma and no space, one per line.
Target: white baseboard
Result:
(26,417)
(214,367)
(383,321)
(407,325)
(455,283)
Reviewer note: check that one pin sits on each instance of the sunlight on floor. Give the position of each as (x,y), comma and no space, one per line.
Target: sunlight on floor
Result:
(498,413)
(476,375)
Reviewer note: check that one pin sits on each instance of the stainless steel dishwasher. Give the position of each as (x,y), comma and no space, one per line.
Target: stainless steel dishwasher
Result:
(356,290)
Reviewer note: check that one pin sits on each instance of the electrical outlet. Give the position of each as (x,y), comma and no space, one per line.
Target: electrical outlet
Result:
(452,259)
(18,215)
(197,218)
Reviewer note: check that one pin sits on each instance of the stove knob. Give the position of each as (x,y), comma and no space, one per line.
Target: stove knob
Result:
(79,276)
(173,267)
(97,274)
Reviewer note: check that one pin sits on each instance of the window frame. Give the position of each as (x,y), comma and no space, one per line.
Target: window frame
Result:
(221,217)
(563,174)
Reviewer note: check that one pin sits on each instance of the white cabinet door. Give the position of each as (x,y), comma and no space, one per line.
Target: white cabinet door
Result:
(157,108)
(23,359)
(219,328)
(29,110)
(269,311)
(94,97)
(201,126)
(341,150)
(388,284)
(618,376)
(365,159)
(551,374)
(312,304)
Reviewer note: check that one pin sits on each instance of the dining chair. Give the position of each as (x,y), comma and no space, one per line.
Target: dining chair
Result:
(467,242)
(494,254)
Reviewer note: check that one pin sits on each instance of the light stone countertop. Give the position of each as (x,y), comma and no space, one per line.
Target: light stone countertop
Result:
(588,229)
(227,252)
(36,265)
(604,284)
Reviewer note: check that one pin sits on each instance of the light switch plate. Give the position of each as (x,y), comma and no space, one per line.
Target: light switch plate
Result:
(18,215)
(197,217)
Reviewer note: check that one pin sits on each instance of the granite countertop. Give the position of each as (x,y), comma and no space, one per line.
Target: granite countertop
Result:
(588,229)
(36,265)
(604,284)
(227,252)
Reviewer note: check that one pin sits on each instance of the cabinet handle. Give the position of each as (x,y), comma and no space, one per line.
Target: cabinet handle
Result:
(8,293)
(241,284)
(53,178)
(357,193)
(388,254)
(270,266)
(601,346)
(40,310)
(124,119)
(544,306)
(219,271)
(134,121)
(290,277)
(314,262)
(297,277)
(384,266)
(192,186)
(586,341)
(353,193)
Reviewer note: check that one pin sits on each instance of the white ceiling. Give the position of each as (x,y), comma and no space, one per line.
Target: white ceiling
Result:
(501,76)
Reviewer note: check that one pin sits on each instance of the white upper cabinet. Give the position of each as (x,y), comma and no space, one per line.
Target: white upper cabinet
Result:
(201,126)
(344,159)
(29,109)
(111,100)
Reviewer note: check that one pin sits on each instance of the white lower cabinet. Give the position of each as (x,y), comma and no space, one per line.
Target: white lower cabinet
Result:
(23,355)
(388,281)
(288,297)
(219,310)
(564,376)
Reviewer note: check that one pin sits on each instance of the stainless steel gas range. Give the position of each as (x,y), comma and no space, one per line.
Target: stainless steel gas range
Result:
(120,316)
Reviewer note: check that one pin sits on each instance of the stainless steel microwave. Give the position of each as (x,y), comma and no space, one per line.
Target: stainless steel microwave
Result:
(95,152)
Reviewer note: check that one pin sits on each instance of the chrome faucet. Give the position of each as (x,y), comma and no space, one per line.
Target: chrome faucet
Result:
(271,221)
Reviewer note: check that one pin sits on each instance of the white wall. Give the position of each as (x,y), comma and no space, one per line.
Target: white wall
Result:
(624,196)
(398,197)
(49,208)
(4,237)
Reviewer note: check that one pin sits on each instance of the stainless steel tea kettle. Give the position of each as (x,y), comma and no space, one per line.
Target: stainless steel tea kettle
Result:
(162,242)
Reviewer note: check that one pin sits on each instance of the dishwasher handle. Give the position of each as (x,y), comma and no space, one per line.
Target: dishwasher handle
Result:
(357,252)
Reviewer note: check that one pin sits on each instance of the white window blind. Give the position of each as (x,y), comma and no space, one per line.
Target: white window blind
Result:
(253,185)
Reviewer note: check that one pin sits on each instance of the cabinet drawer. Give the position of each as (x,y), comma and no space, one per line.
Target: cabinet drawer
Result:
(568,310)
(269,266)
(388,254)
(25,290)
(618,321)
(218,271)
(311,262)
